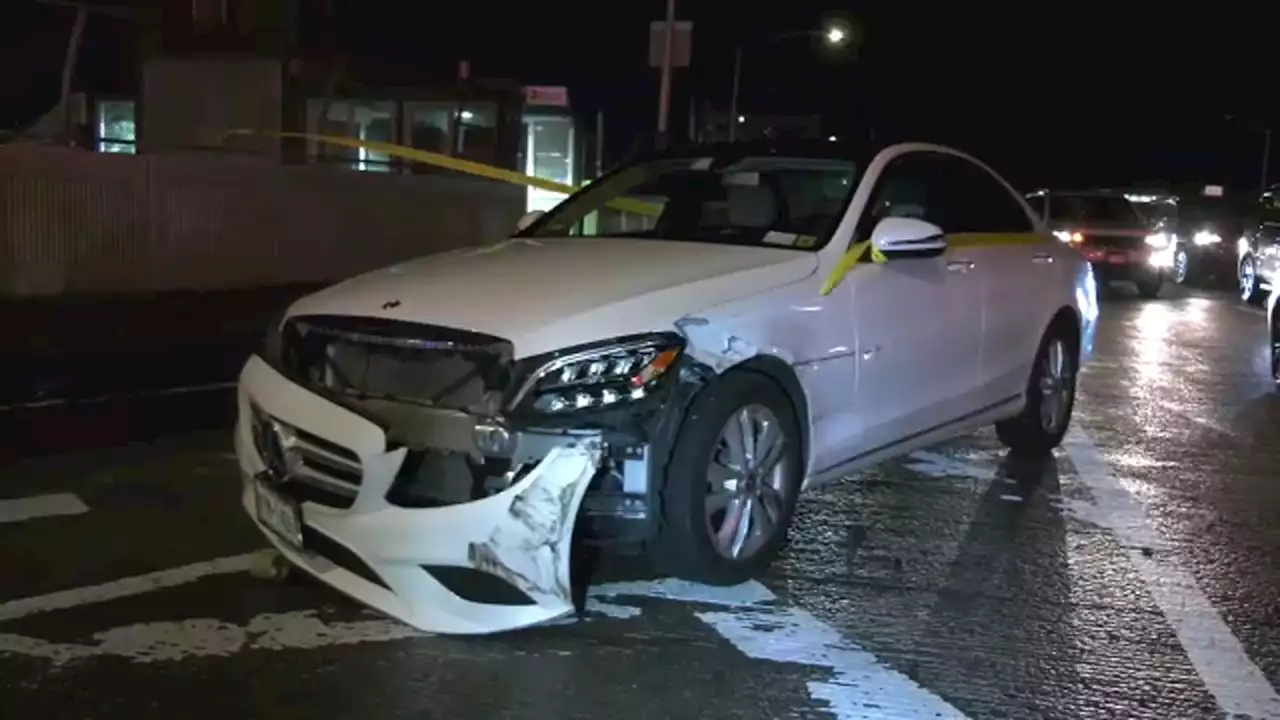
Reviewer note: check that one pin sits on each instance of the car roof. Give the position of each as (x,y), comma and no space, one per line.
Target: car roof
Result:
(725,153)
(1078,193)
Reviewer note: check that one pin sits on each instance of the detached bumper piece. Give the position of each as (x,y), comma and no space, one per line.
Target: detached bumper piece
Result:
(319,481)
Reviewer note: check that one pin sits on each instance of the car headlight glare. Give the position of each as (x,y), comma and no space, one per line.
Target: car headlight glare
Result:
(599,378)
(1204,237)
(1067,236)
(1159,240)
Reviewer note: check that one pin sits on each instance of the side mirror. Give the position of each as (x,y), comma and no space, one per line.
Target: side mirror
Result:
(896,235)
(528,219)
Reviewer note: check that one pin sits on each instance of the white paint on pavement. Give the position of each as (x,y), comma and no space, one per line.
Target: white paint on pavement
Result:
(1238,685)
(748,593)
(40,506)
(171,641)
(613,610)
(943,466)
(860,685)
(124,587)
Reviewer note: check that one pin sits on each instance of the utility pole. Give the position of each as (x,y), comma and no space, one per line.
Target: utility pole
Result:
(733,97)
(73,48)
(664,92)
(1266,158)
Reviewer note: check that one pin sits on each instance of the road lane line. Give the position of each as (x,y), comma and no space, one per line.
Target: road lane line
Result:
(206,637)
(125,587)
(860,685)
(40,506)
(1234,680)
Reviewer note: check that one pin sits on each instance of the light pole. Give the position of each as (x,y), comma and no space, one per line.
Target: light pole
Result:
(832,35)
(1266,146)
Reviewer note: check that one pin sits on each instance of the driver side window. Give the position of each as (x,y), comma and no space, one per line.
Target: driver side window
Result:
(947,190)
(908,187)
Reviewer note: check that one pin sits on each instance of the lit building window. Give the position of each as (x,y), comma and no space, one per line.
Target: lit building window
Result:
(116,127)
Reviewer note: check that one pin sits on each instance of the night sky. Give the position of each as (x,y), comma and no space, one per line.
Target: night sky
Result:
(1079,93)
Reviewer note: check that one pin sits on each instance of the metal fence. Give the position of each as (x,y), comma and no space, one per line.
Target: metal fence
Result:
(73,221)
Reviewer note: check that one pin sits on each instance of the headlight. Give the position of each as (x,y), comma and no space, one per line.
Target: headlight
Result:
(1205,237)
(598,378)
(1067,236)
(1242,246)
(1159,240)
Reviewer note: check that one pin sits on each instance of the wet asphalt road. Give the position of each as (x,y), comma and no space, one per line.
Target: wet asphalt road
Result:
(1135,575)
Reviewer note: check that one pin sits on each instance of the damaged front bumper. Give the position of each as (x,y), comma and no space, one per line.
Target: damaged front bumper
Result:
(328,489)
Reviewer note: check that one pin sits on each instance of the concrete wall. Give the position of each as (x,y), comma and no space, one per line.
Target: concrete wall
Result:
(73,221)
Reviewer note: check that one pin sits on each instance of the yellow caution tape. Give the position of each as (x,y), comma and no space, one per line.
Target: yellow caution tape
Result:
(865,253)
(456,164)
(849,261)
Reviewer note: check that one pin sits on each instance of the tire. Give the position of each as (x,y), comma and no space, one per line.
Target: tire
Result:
(1028,434)
(1149,286)
(1247,280)
(1275,347)
(684,546)
(1181,266)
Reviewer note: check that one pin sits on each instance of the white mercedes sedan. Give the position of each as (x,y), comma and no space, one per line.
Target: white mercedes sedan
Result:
(665,360)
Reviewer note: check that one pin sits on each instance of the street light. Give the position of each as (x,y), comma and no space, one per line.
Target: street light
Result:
(833,35)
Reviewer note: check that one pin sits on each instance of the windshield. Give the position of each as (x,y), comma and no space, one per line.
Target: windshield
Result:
(1093,209)
(768,200)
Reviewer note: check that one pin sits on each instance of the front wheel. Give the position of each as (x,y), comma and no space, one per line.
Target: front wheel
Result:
(1051,396)
(1248,279)
(1181,266)
(1275,347)
(731,486)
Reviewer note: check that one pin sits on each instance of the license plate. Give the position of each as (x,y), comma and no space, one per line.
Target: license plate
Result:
(278,514)
(1118,259)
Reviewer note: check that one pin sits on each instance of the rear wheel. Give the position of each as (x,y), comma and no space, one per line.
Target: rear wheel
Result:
(731,486)
(1051,395)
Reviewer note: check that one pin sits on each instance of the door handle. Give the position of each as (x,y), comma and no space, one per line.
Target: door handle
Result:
(961,266)
(1042,258)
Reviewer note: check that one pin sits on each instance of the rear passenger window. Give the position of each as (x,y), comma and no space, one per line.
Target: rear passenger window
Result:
(977,202)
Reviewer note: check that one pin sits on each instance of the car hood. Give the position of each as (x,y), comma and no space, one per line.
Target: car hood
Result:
(548,294)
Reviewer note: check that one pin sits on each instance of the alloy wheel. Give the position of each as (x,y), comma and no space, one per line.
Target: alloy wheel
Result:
(1057,386)
(747,483)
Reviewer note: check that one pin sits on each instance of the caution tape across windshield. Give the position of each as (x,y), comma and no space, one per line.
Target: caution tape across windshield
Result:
(448,162)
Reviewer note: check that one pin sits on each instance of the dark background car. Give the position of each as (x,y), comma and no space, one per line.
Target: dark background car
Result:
(1258,248)
(1111,234)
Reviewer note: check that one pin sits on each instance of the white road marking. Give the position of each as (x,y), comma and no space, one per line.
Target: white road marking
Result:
(860,686)
(1233,679)
(749,593)
(39,506)
(944,466)
(125,587)
(756,627)
(171,641)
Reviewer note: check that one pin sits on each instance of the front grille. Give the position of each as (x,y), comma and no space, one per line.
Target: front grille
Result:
(427,364)
(304,466)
